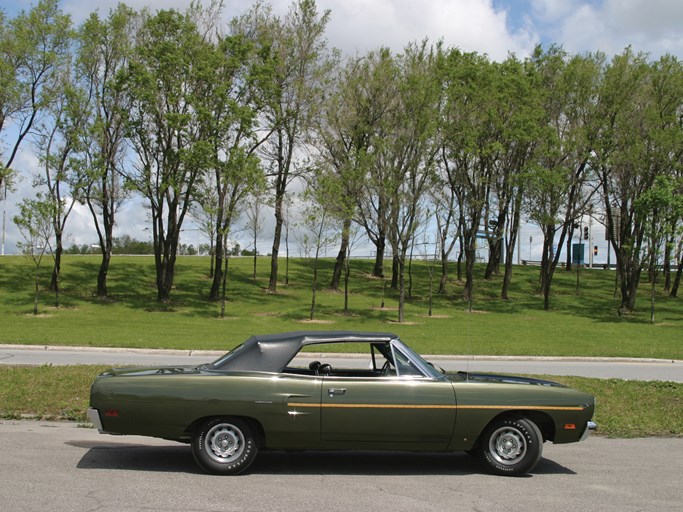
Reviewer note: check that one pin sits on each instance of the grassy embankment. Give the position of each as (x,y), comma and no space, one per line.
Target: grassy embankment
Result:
(579,324)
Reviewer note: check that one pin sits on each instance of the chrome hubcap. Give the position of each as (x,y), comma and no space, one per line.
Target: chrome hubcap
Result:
(224,443)
(507,445)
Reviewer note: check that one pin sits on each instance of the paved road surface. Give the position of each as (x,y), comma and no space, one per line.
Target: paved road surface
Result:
(61,467)
(632,369)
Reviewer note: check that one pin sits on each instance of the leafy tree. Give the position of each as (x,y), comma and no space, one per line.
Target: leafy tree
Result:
(656,205)
(346,133)
(561,185)
(33,46)
(35,222)
(634,146)
(520,117)
(406,152)
(469,144)
(104,51)
(57,140)
(297,47)
(667,136)
(231,103)
(164,84)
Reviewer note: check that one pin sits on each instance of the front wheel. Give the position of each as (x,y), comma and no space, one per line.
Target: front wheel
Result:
(224,446)
(511,446)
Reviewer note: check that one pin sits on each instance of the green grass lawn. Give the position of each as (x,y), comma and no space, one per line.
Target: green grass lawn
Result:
(579,324)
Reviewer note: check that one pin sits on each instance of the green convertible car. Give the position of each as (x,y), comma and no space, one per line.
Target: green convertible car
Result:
(281,392)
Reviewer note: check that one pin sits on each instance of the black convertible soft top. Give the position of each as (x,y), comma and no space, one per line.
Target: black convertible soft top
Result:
(272,352)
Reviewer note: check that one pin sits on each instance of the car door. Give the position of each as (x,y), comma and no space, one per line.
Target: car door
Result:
(407,410)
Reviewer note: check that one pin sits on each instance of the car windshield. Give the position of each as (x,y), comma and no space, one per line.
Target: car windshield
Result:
(405,353)
(220,361)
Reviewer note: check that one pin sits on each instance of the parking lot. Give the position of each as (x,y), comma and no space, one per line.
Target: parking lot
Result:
(61,466)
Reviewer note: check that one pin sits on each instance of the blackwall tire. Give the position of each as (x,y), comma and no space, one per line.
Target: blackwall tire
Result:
(511,446)
(224,446)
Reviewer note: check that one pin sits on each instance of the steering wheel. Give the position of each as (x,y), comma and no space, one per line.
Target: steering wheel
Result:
(386,369)
(324,368)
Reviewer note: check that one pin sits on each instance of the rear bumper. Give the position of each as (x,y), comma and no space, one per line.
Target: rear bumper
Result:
(94,417)
(591,426)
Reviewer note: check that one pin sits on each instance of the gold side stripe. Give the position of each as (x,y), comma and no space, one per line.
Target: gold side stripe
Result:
(435,406)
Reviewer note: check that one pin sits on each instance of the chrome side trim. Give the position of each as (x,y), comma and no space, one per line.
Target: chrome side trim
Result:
(590,427)
(94,417)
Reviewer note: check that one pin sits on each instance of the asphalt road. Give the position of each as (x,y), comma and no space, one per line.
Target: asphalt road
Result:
(631,369)
(61,467)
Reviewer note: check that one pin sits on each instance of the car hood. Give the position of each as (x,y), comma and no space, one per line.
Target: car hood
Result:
(500,379)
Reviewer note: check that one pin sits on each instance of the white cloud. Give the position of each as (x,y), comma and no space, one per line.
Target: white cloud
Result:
(362,25)
(648,17)
(652,26)
(473,25)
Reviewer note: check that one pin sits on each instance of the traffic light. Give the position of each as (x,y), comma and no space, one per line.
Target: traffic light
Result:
(595,250)
(585,232)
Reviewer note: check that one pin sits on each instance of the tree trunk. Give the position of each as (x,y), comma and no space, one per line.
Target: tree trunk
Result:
(568,262)
(347,273)
(395,272)
(224,287)
(677,279)
(217,279)
(54,281)
(102,274)
(400,267)
(493,265)
(380,245)
(652,300)
(165,257)
(315,285)
(341,256)
(629,270)
(272,283)
(37,289)
(547,264)
(470,254)
(668,248)
(410,272)
(511,245)
(444,274)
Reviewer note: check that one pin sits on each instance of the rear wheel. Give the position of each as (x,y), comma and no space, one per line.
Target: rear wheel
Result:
(511,446)
(225,446)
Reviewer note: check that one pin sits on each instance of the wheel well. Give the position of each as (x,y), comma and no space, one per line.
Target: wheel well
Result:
(259,432)
(544,422)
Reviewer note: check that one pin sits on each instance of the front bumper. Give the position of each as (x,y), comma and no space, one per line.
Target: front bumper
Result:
(591,426)
(94,417)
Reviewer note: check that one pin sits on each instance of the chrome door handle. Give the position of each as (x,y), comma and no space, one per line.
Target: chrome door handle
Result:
(336,391)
